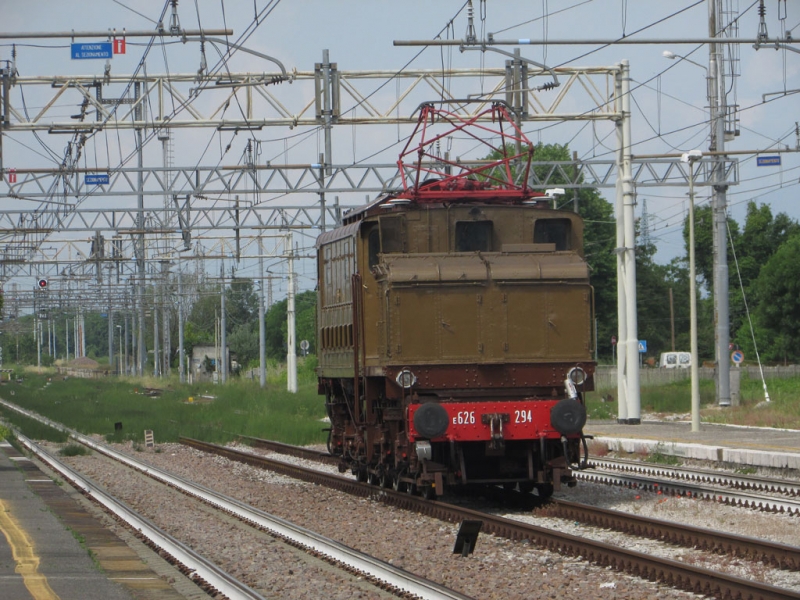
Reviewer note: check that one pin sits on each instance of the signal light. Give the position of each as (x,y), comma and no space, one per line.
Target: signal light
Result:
(42,283)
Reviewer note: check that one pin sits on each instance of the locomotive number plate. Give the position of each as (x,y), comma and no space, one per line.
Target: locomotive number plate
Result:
(527,419)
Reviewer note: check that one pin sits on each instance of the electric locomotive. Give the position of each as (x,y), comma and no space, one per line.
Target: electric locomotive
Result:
(455,323)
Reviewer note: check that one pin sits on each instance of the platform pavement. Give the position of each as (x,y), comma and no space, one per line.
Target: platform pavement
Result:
(47,535)
(750,446)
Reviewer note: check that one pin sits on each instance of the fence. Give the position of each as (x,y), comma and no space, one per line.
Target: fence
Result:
(606,375)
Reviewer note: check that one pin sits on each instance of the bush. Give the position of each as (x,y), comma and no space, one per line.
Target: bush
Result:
(74,450)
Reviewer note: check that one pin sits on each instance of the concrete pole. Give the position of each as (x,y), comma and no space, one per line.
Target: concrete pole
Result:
(693,308)
(291,352)
(629,253)
(156,359)
(717,107)
(180,329)
(110,331)
(127,336)
(622,325)
(140,265)
(223,335)
(262,334)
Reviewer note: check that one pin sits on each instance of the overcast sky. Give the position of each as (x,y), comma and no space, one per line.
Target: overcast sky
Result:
(669,108)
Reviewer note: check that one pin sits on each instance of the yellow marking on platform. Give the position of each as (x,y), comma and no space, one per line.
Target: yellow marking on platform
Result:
(24,555)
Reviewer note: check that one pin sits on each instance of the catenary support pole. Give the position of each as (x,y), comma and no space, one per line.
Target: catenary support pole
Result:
(718,106)
(291,351)
(622,325)
(262,334)
(223,337)
(629,253)
(181,358)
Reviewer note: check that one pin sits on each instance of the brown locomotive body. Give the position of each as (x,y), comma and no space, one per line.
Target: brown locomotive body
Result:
(455,338)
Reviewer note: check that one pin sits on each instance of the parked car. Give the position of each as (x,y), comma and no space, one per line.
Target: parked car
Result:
(675,360)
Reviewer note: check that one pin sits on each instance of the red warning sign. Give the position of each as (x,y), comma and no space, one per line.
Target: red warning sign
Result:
(12,176)
(119,45)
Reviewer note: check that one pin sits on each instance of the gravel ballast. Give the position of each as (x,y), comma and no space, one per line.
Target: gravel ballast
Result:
(498,568)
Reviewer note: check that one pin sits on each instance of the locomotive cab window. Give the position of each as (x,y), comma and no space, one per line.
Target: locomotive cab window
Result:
(373,246)
(553,231)
(473,236)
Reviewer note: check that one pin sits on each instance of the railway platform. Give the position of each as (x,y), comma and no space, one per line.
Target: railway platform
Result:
(53,546)
(734,444)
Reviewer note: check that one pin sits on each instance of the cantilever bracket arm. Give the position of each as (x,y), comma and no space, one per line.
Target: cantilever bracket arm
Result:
(238,47)
(483,48)
(775,45)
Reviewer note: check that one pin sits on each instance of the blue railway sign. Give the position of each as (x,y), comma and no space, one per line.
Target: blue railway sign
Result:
(91,50)
(99,179)
(768,161)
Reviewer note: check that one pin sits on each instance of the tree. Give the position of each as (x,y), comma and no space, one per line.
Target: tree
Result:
(762,236)
(241,303)
(276,328)
(776,312)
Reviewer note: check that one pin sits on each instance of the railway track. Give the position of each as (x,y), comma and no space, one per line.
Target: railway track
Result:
(674,573)
(725,489)
(385,576)
(203,572)
(767,485)
(781,556)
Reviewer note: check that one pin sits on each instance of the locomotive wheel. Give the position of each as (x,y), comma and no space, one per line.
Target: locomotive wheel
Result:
(428,492)
(411,489)
(397,485)
(544,490)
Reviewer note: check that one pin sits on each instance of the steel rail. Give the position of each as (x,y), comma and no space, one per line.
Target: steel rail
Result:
(724,496)
(371,567)
(778,555)
(734,480)
(673,573)
(781,556)
(202,571)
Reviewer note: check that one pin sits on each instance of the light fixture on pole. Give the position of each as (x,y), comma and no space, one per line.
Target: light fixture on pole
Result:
(672,56)
(691,158)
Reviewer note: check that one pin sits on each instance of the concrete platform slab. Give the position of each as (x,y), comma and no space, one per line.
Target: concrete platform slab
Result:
(751,446)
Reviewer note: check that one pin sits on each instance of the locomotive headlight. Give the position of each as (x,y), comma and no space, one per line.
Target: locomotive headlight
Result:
(576,375)
(406,379)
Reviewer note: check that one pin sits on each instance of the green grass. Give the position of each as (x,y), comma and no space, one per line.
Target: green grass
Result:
(242,407)
(782,411)
(94,406)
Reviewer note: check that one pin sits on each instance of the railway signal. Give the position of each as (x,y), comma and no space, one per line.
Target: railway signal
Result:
(42,283)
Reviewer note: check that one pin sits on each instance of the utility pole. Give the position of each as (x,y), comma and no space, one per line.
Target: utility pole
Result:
(629,407)
(262,334)
(142,351)
(180,328)
(717,108)
(223,366)
(291,351)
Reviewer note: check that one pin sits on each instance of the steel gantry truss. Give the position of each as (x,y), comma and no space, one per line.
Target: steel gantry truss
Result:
(153,213)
